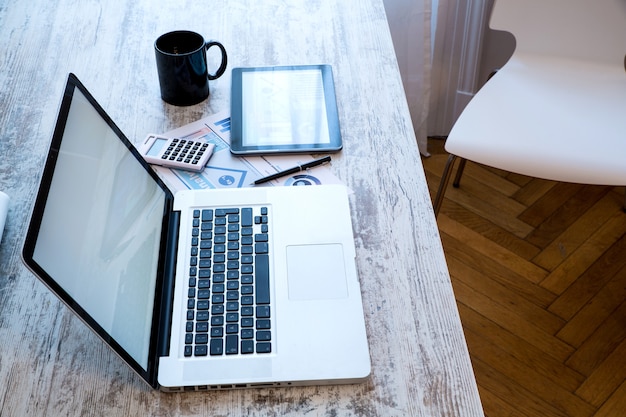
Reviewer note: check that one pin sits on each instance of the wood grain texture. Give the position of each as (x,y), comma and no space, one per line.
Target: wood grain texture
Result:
(51,364)
(543,313)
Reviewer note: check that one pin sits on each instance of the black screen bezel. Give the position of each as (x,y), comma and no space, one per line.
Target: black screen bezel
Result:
(157,331)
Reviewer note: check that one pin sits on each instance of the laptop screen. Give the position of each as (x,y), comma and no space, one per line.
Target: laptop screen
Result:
(100,229)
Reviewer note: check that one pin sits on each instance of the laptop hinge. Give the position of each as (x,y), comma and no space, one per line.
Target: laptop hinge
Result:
(167,294)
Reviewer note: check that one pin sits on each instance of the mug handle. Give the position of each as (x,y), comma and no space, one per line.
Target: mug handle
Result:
(222,67)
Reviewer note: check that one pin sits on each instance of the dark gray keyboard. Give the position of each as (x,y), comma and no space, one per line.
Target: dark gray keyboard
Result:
(228,304)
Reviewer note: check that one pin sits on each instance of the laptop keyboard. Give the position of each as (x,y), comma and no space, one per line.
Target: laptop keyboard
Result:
(228,304)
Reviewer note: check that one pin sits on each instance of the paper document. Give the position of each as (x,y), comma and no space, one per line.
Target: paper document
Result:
(226,170)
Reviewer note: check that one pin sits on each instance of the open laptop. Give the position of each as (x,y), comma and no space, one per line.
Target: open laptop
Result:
(210,289)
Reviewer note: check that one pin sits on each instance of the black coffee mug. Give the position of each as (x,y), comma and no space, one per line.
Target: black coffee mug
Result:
(182,67)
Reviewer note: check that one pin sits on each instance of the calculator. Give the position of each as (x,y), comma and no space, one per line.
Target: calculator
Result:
(187,154)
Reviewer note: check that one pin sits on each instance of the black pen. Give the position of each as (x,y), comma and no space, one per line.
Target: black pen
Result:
(293,170)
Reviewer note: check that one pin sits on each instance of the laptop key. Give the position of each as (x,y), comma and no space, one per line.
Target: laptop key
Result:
(262,279)
(263,335)
(207,215)
(232,344)
(246,217)
(247,346)
(264,347)
(261,247)
(263,324)
(216,347)
(262,312)
(200,350)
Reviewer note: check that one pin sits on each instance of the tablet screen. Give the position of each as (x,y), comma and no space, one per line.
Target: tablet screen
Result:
(284,109)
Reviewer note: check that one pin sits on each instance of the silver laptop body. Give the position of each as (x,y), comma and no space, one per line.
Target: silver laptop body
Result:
(143,268)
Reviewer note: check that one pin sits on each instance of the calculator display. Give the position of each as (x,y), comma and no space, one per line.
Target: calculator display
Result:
(157,146)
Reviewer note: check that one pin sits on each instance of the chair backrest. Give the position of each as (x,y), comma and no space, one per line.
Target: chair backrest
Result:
(592,30)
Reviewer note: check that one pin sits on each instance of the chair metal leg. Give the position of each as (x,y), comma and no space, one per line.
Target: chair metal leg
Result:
(459,173)
(445,178)
(443,185)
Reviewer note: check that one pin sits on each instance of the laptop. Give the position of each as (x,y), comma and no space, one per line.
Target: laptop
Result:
(214,289)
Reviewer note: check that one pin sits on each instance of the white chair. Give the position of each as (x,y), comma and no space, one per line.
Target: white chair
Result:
(557,109)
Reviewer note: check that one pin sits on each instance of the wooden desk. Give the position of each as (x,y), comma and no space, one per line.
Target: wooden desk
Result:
(51,364)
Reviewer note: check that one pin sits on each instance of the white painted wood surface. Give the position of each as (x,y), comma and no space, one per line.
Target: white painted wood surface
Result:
(51,364)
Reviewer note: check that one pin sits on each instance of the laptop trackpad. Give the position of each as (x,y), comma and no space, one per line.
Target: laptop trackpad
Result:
(316,272)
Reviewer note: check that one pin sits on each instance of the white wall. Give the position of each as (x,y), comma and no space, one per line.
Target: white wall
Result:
(445,53)
(465,52)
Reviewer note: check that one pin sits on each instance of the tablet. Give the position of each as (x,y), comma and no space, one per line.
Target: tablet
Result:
(284,109)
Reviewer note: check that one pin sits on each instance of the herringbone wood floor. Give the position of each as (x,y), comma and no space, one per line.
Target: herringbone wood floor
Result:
(539,273)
